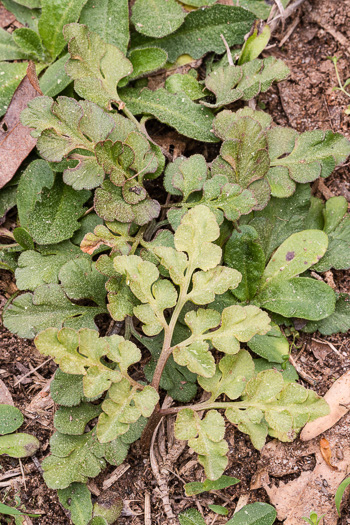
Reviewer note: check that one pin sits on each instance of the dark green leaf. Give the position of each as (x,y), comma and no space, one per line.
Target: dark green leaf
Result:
(298,297)
(254,514)
(54,80)
(157,18)
(30,43)
(244,253)
(9,50)
(338,321)
(67,389)
(200,33)
(109,19)
(23,238)
(176,110)
(10,419)
(48,209)
(77,500)
(11,74)
(54,16)
(194,488)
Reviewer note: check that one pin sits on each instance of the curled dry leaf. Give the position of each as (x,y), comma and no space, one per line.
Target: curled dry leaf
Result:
(326,453)
(15,140)
(338,399)
(313,489)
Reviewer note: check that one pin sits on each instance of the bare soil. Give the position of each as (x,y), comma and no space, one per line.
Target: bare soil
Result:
(305,101)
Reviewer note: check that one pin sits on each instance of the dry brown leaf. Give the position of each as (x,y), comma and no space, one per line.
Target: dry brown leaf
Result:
(326,452)
(338,398)
(15,140)
(313,490)
(5,396)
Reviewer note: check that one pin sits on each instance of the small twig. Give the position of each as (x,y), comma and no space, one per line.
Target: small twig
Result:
(228,50)
(287,13)
(116,474)
(32,371)
(148,515)
(88,211)
(290,31)
(302,374)
(22,472)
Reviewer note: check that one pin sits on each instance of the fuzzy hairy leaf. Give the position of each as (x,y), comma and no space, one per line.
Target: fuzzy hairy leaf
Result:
(54,16)
(19,445)
(9,50)
(244,82)
(73,459)
(37,268)
(11,419)
(307,156)
(48,209)
(191,517)
(65,125)
(194,488)
(157,18)
(244,253)
(95,67)
(29,42)
(48,306)
(338,321)
(337,226)
(188,176)
(67,389)
(11,74)
(231,376)
(200,33)
(185,83)
(254,514)
(109,19)
(271,406)
(298,297)
(77,500)
(244,159)
(225,122)
(73,420)
(210,444)
(295,255)
(123,407)
(176,110)
(81,353)
(111,206)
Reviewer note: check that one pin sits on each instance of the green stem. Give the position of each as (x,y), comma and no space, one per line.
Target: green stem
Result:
(137,240)
(167,348)
(131,117)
